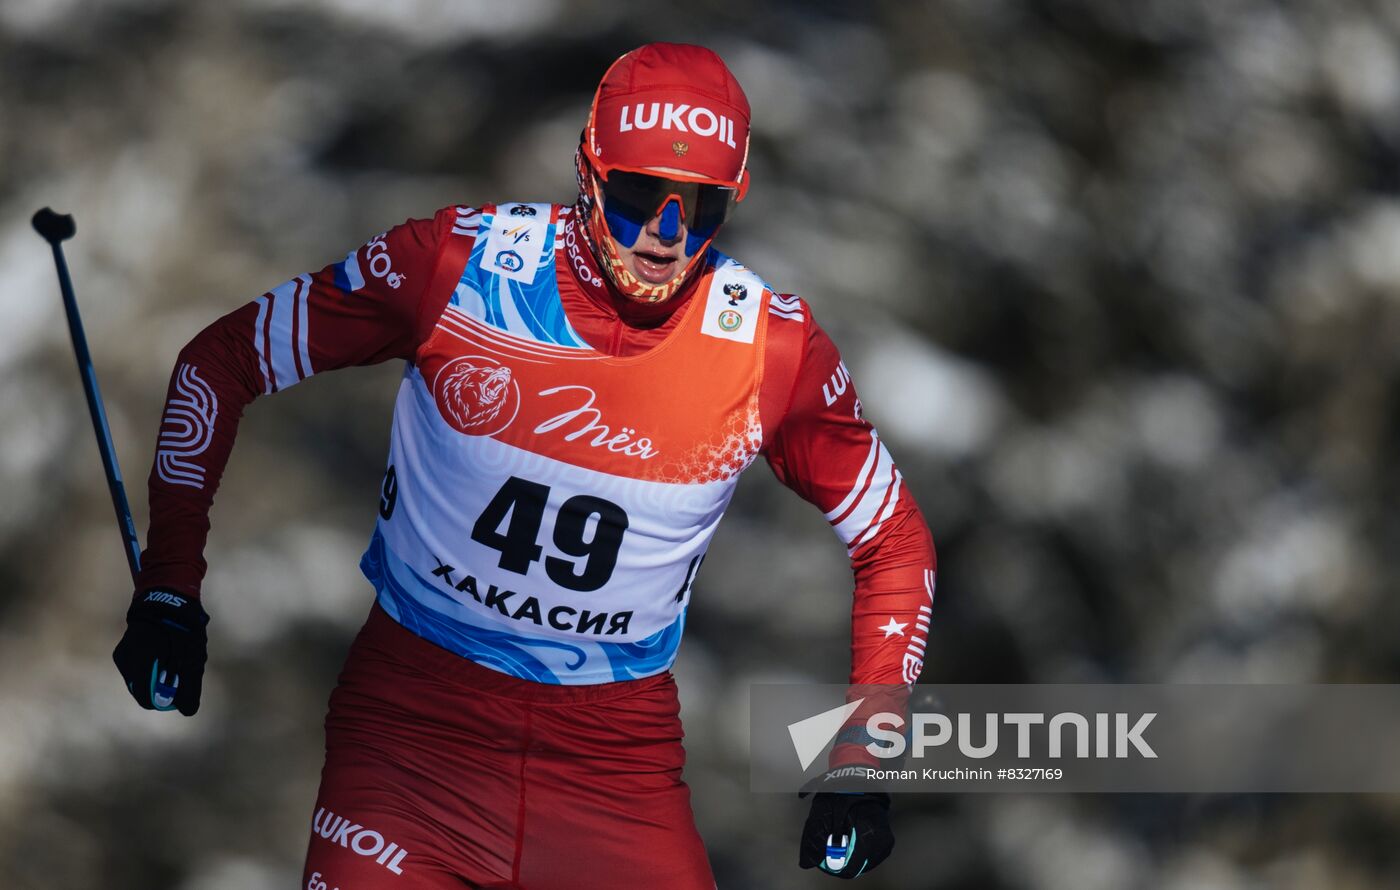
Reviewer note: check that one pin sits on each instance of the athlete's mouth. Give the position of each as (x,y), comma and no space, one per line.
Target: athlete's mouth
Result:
(654,266)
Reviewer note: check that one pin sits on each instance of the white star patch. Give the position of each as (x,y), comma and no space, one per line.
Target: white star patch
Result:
(894,627)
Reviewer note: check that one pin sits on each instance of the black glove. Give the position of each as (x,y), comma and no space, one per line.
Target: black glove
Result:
(846,833)
(161,655)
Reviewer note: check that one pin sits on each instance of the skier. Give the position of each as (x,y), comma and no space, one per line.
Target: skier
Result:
(582,387)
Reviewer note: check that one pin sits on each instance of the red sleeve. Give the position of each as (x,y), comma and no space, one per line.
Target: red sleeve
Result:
(369,307)
(822,448)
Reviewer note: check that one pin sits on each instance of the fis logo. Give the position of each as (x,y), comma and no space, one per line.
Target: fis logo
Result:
(358,839)
(163,596)
(681,118)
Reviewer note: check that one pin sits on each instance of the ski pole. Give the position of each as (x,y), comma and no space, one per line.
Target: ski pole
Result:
(56,228)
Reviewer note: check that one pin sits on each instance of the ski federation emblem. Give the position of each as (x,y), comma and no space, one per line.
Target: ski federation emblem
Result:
(516,243)
(728,309)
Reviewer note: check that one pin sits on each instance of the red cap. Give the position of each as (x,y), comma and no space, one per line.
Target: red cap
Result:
(671,105)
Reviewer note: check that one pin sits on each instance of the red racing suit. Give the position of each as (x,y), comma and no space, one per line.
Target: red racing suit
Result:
(503,317)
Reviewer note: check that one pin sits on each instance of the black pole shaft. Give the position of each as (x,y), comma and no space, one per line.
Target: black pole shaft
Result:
(99,415)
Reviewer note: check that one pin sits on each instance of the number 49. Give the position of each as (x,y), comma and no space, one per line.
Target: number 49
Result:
(519,506)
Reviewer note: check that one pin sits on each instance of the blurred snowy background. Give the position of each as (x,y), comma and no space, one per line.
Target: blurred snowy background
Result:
(1119,282)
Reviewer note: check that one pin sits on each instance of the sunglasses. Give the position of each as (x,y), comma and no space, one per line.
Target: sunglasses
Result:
(637,197)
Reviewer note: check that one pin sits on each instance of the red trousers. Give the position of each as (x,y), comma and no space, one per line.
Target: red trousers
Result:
(441,773)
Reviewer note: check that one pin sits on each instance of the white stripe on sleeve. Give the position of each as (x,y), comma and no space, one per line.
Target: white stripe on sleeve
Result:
(258,342)
(861,477)
(874,529)
(870,501)
(282,306)
(303,299)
